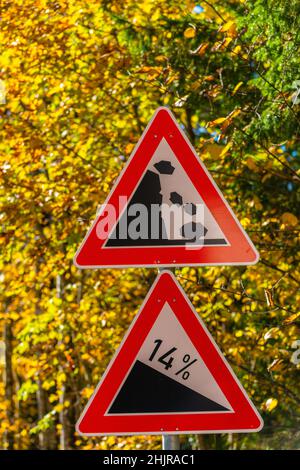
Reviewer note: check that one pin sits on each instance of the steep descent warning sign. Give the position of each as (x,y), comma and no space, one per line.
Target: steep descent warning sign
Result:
(165,210)
(168,376)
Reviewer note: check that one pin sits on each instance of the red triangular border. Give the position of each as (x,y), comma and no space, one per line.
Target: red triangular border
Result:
(244,418)
(92,252)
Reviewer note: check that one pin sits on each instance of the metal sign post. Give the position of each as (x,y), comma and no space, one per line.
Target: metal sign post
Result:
(170,442)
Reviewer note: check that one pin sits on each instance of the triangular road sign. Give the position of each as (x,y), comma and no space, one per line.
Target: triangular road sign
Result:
(185,218)
(168,376)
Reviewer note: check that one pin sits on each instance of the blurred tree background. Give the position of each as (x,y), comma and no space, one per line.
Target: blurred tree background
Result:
(79,81)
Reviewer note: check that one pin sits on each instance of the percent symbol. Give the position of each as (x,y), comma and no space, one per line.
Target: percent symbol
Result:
(186,359)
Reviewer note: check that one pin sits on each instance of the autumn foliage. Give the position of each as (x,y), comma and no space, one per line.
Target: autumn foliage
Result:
(79,81)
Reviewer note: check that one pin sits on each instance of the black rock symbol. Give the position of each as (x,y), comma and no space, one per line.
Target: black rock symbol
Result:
(164,167)
(176,198)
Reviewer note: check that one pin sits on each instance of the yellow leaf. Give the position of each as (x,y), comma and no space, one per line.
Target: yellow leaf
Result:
(208,78)
(291,318)
(245,222)
(152,72)
(190,33)
(226,42)
(239,333)
(221,45)
(87,392)
(275,365)
(129,147)
(171,79)
(203,48)
(156,15)
(289,219)
(53,397)
(216,121)
(237,87)
(237,50)
(271,403)
(47,232)
(59,408)
(234,113)
(5,58)
(226,149)
(200,49)
(14,316)
(229,28)
(226,27)
(61,377)
(161,58)
(271,333)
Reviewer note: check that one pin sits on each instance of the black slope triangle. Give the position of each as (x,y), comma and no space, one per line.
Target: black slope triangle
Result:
(146,390)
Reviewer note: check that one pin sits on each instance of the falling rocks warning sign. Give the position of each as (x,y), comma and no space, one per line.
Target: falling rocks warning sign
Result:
(165,210)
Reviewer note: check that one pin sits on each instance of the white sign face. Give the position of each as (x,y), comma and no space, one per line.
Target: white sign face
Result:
(169,364)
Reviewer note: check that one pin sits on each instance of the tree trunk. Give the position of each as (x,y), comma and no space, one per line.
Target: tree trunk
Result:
(66,415)
(202,442)
(189,126)
(8,382)
(47,438)
(42,410)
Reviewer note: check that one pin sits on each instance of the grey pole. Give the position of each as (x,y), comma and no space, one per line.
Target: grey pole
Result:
(170,441)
